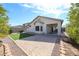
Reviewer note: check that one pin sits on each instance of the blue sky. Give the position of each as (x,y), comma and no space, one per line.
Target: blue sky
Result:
(20,13)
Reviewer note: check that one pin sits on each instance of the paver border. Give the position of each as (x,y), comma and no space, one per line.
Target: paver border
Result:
(7,50)
(62,48)
(18,45)
(56,46)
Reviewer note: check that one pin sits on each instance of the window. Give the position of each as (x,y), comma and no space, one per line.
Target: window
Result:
(41,28)
(37,28)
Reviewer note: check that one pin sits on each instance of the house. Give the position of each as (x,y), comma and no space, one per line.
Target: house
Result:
(17,28)
(44,25)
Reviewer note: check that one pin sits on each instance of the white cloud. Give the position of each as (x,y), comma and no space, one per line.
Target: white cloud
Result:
(26,5)
(39,1)
(49,7)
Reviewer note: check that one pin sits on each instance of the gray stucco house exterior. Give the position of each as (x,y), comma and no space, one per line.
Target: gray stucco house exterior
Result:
(44,25)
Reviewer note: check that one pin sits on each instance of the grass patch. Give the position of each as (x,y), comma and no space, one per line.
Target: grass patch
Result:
(17,36)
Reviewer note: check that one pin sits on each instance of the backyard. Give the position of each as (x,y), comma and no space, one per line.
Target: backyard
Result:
(17,36)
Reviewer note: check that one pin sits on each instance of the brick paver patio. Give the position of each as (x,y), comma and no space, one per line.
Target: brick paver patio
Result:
(38,45)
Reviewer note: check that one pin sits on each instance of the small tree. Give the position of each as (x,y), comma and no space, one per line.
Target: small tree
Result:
(73,26)
(4,27)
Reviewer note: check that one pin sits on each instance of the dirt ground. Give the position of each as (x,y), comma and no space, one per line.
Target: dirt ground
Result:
(71,49)
(1,51)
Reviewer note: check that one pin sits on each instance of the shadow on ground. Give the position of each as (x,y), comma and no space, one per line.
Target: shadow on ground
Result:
(23,35)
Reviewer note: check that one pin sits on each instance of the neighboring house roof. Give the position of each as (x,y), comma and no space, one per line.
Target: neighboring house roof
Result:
(25,24)
(18,26)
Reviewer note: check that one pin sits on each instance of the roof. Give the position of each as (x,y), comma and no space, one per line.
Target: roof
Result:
(51,18)
(47,18)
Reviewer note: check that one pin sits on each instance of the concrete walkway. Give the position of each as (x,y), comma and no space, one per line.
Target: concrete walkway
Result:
(38,45)
(15,50)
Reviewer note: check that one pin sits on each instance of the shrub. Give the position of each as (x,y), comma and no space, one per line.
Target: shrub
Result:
(73,26)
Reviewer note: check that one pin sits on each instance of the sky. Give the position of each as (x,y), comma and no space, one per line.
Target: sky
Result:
(20,13)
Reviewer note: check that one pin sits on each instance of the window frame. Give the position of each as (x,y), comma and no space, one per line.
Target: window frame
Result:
(41,28)
(36,28)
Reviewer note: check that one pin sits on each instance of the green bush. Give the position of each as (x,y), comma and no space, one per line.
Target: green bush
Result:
(73,34)
(72,28)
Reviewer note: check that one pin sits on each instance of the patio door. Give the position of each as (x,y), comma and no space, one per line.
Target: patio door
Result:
(51,29)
